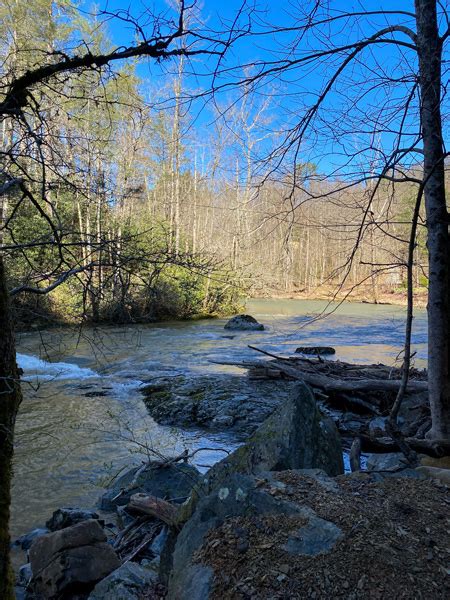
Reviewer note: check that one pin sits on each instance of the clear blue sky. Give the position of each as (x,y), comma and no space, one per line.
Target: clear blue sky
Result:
(297,89)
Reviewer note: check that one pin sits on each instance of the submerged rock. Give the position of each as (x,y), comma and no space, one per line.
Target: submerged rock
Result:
(169,482)
(244,323)
(71,560)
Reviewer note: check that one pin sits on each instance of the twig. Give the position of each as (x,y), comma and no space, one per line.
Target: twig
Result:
(268,353)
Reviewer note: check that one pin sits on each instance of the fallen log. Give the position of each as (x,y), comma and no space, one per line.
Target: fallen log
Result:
(328,383)
(155,507)
(437,449)
(356,404)
(349,385)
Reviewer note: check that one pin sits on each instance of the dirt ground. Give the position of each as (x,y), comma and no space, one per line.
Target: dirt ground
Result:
(396,543)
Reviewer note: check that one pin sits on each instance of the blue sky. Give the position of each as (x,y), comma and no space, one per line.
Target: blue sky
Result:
(359,104)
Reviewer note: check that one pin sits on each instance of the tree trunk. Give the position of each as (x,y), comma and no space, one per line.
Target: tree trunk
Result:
(10,398)
(430,57)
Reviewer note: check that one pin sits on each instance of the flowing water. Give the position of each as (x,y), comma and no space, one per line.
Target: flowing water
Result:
(83,419)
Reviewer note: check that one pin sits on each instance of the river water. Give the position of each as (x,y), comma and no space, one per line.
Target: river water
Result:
(82,418)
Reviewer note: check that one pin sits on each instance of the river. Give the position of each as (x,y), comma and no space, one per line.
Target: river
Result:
(82,418)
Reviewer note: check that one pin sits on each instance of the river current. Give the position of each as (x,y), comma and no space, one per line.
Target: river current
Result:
(82,418)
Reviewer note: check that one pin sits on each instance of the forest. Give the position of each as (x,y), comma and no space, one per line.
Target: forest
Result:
(162,166)
(160,220)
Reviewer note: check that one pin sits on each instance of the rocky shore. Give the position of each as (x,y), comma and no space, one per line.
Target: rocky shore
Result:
(277,518)
(216,402)
(239,404)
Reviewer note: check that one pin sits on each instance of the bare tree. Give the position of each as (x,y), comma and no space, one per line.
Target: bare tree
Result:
(27,97)
(356,78)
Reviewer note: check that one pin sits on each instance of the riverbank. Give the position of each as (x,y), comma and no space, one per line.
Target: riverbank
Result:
(84,412)
(32,313)
(383,295)
(274,519)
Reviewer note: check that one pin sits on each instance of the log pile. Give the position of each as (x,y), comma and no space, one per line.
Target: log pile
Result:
(368,391)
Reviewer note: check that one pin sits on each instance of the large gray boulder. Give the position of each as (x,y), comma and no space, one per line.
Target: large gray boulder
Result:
(128,582)
(238,496)
(295,436)
(244,323)
(168,482)
(71,560)
(231,402)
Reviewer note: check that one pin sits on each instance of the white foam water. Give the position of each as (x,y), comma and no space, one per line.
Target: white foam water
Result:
(34,366)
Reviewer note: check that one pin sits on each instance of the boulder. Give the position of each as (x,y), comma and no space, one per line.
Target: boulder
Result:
(244,323)
(25,575)
(71,560)
(295,436)
(66,517)
(173,481)
(214,401)
(443,475)
(223,421)
(377,426)
(239,495)
(128,582)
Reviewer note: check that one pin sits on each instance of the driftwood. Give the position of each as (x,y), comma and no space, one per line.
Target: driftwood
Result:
(348,385)
(141,546)
(155,507)
(437,449)
(355,403)
(333,375)
(315,350)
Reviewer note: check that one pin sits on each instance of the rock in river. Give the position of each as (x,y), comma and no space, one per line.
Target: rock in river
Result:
(244,323)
